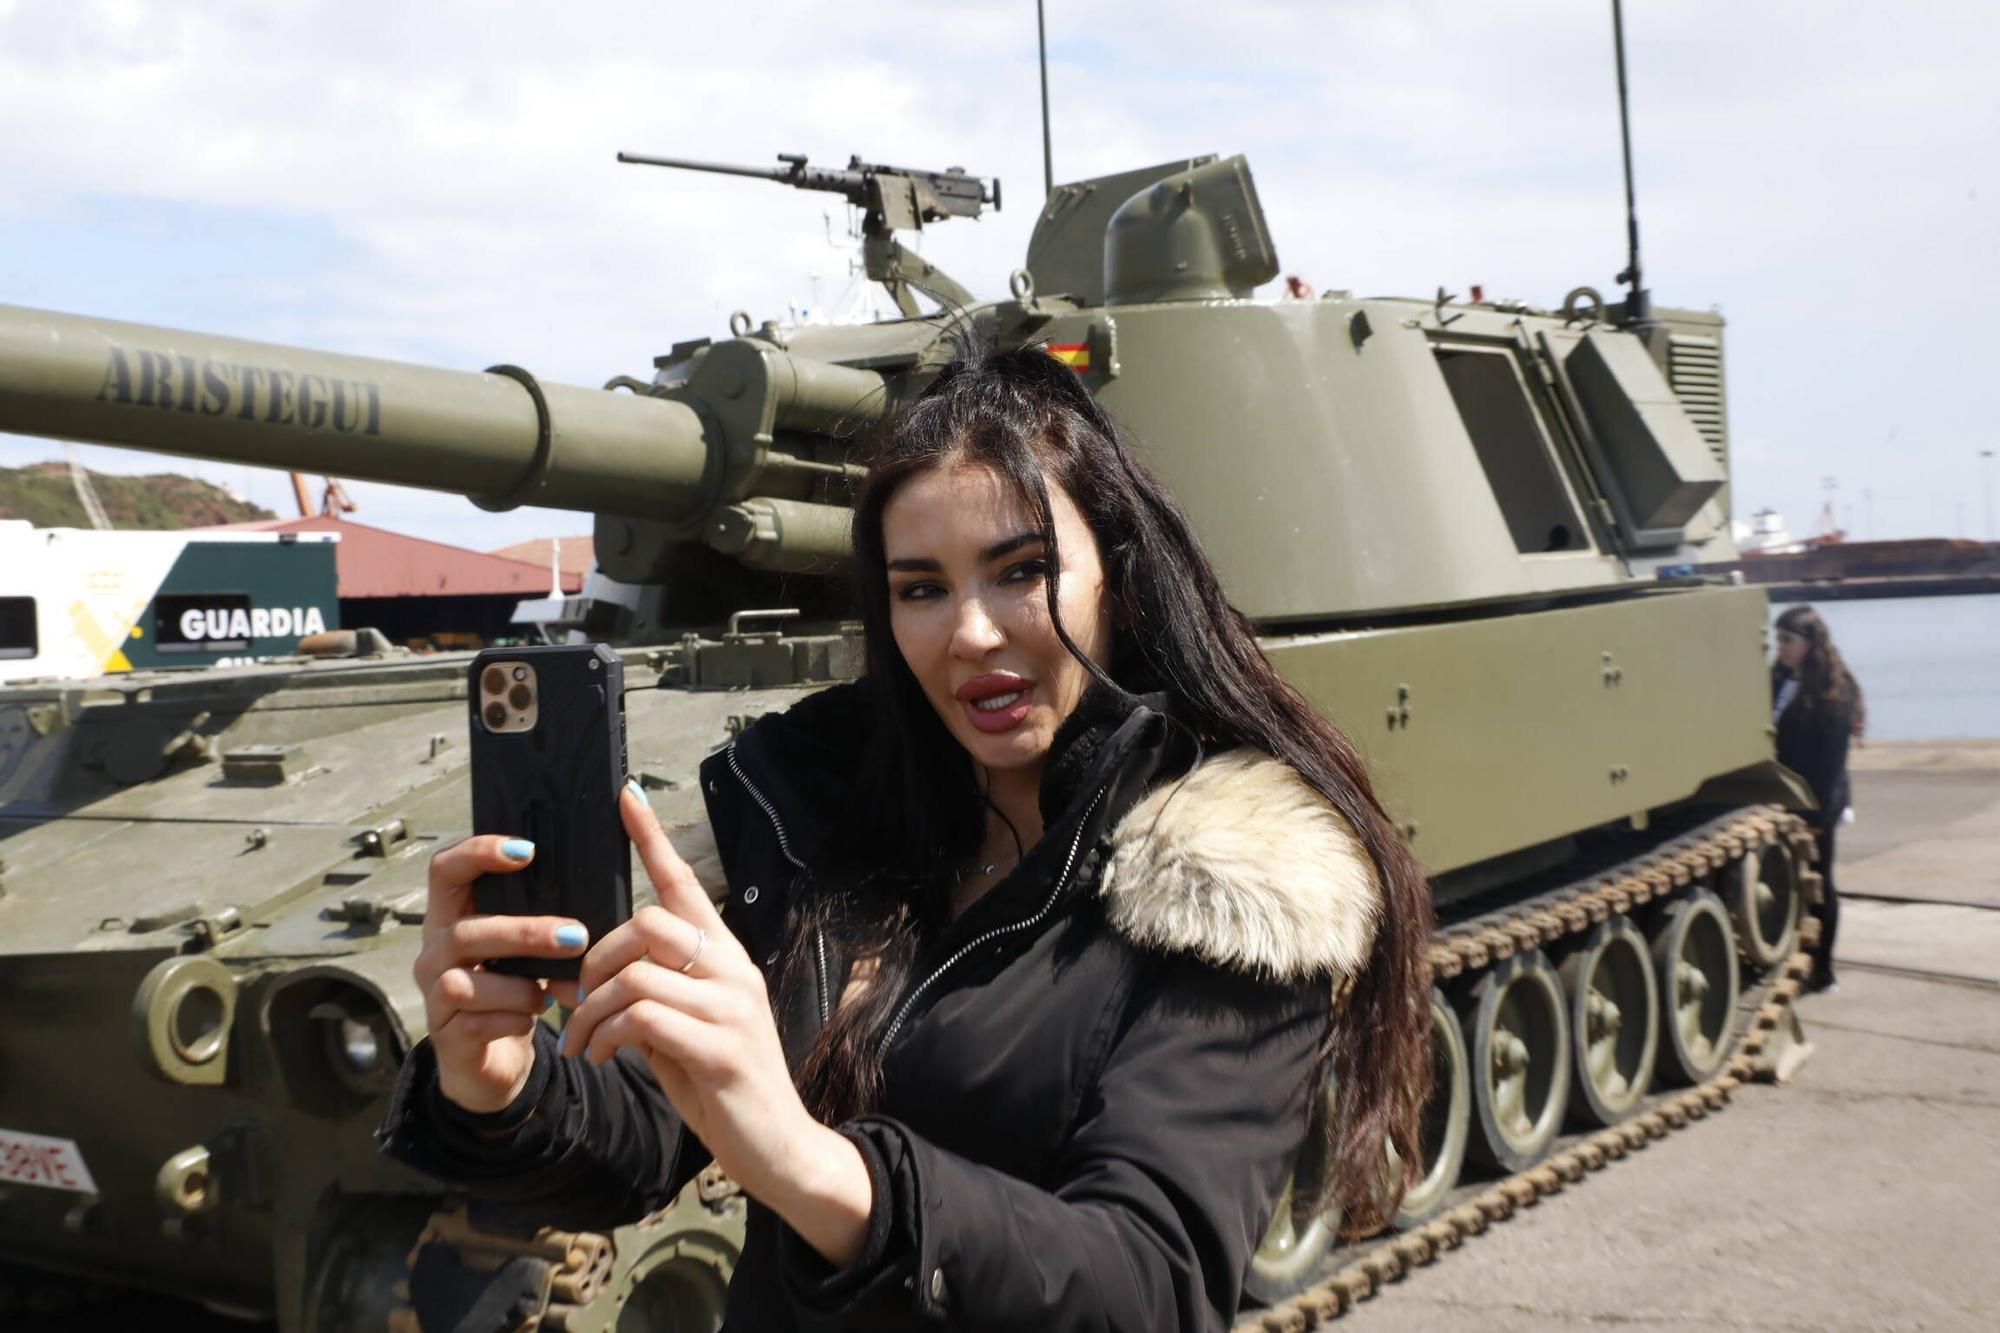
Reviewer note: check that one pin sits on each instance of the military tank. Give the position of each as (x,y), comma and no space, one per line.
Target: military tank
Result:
(1465,529)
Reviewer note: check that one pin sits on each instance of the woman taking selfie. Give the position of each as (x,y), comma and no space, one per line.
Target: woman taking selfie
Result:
(1024,986)
(1816,705)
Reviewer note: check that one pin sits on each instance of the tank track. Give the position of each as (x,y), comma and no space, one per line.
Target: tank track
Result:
(1464,947)
(571,1269)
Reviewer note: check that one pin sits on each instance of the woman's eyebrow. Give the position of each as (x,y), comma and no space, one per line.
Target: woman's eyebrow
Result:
(923,564)
(1008,545)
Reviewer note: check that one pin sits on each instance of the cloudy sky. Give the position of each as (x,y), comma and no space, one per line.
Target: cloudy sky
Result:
(436,181)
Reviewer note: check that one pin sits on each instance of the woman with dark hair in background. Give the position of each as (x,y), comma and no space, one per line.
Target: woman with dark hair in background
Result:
(1817,707)
(1039,943)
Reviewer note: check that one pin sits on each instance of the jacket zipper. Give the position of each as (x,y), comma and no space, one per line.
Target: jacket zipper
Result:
(987,937)
(785,847)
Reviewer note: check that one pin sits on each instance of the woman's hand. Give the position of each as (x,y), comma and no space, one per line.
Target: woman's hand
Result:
(674,984)
(482,1023)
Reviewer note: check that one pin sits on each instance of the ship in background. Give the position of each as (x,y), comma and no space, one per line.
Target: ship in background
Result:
(1827,567)
(1764,533)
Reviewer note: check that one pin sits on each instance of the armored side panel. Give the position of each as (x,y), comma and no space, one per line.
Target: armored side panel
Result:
(1655,461)
(1493,734)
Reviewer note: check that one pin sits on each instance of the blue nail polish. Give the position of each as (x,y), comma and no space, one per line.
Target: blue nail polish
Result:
(580,993)
(548,1000)
(517,849)
(632,785)
(571,937)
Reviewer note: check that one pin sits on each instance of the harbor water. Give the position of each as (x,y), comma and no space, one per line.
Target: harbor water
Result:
(1929,667)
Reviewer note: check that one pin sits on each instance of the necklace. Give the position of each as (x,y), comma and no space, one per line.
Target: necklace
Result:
(978,872)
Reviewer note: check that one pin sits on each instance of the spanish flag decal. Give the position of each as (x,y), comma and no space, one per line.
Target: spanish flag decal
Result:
(1074,355)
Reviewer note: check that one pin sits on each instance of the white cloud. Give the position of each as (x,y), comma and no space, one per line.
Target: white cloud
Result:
(1825,173)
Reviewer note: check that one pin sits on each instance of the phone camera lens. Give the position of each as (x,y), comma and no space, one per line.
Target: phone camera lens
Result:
(494,681)
(520,696)
(520,673)
(496,715)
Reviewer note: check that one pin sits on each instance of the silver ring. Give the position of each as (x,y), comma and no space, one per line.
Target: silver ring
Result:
(700,943)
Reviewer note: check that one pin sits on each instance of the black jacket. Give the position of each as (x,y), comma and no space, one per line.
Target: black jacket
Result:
(1096,1084)
(1812,742)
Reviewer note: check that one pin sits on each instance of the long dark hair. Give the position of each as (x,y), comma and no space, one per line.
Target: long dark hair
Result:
(1028,418)
(1825,684)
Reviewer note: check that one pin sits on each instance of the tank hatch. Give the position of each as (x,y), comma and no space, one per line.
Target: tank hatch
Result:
(1196,236)
(1066,252)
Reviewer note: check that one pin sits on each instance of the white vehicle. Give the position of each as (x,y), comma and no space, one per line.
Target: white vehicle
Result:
(75,602)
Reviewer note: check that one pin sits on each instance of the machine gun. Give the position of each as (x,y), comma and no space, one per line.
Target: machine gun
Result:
(891,199)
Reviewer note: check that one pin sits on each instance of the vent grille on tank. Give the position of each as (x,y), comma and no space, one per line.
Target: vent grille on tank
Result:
(1694,368)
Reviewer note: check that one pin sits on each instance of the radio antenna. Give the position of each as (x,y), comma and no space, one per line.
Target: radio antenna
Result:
(1042,42)
(1638,302)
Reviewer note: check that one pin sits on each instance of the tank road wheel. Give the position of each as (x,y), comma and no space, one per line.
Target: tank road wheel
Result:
(1614,1008)
(1763,896)
(1290,1256)
(1695,956)
(356,1255)
(1517,1038)
(1447,1119)
(672,1270)
(678,1288)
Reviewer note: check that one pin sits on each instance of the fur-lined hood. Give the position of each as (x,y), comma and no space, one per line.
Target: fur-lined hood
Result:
(1240,863)
(1244,865)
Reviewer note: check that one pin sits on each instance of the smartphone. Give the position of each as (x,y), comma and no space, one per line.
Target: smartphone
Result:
(548,762)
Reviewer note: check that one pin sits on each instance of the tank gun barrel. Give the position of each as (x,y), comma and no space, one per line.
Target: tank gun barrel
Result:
(794,172)
(706,460)
(500,436)
(894,197)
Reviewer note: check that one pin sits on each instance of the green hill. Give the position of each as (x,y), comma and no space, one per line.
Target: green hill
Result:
(42,494)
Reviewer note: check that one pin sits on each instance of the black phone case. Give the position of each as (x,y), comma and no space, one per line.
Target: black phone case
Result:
(558,786)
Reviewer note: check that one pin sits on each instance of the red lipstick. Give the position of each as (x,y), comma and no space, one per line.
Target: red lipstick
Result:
(997,701)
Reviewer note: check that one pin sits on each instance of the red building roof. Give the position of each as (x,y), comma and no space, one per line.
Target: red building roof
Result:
(373,562)
(576,554)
